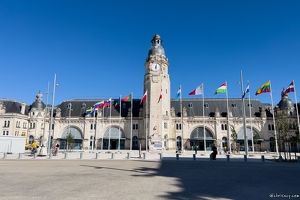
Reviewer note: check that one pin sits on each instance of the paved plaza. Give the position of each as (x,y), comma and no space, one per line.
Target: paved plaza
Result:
(150,177)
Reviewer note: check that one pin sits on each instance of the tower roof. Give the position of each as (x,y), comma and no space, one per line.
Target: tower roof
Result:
(156,48)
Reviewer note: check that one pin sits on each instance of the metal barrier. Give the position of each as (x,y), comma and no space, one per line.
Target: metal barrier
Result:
(160,156)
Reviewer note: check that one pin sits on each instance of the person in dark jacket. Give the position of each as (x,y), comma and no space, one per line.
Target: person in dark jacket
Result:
(215,152)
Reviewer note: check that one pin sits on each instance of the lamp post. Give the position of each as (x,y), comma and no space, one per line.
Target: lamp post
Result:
(69,133)
(244,116)
(45,116)
(51,115)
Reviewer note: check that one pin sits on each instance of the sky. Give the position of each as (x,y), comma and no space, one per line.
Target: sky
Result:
(98,49)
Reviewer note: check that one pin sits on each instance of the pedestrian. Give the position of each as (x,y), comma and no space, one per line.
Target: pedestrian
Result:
(56,149)
(196,149)
(215,152)
(34,147)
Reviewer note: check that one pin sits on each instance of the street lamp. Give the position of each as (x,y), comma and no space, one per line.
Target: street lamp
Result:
(69,133)
(244,116)
(45,115)
(51,116)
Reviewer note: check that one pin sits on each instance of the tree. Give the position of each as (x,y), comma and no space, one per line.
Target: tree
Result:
(70,140)
(286,130)
(234,137)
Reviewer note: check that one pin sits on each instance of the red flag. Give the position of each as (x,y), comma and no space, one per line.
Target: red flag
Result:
(291,88)
(160,96)
(143,98)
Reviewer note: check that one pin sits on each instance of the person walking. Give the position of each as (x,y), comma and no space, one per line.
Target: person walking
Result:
(215,152)
(56,149)
(34,147)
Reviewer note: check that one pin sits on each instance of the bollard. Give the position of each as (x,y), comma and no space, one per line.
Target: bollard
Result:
(50,155)
(194,156)
(228,157)
(128,155)
(298,159)
(280,158)
(4,155)
(211,157)
(160,156)
(262,158)
(144,154)
(97,155)
(34,155)
(20,156)
(177,156)
(112,155)
(66,155)
(81,155)
(245,158)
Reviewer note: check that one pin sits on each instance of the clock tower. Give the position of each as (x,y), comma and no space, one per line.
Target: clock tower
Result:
(157,85)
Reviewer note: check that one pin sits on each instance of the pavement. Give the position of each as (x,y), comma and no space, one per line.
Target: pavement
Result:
(150,177)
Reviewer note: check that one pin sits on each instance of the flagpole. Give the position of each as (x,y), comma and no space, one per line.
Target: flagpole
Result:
(203,113)
(102,127)
(120,123)
(161,121)
(93,139)
(228,134)
(96,118)
(251,121)
(181,116)
(131,122)
(275,133)
(147,120)
(296,106)
(244,115)
(110,100)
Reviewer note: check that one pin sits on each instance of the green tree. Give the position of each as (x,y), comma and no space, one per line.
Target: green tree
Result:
(234,137)
(70,141)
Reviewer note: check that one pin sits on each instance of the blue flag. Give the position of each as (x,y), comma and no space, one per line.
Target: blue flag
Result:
(246,90)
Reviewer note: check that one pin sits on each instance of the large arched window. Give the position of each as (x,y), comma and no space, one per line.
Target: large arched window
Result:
(76,134)
(197,139)
(114,138)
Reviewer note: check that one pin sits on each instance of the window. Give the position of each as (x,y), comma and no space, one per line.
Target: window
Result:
(206,105)
(5,132)
(178,126)
(135,126)
(224,126)
(234,105)
(165,125)
(93,125)
(6,123)
(24,125)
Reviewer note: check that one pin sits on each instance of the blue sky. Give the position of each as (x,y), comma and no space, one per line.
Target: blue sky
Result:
(98,49)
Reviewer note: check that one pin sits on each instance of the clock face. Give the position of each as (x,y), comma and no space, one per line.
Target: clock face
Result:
(155,67)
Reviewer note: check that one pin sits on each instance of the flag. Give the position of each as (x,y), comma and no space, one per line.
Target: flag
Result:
(246,90)
(90,110)
(98,105)
(264,88)
(160,96)
(291,88)
(221,89)
(107,103)
(127,98)
(143,98)
(178,95)
(118,102)
(197,91)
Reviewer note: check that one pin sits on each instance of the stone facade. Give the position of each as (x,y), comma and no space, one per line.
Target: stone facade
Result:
(157,123)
